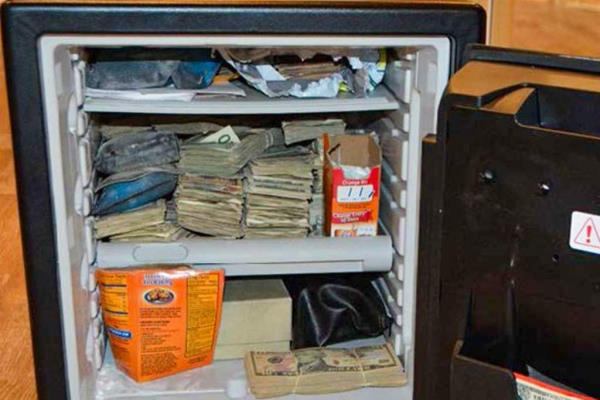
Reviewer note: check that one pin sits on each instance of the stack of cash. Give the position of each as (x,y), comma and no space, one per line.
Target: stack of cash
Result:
(308,70)
(322,370)
(120,225)
(313,130)
(224,153)
(168,230)
(279,189)
(302,130)
(132,125)
(163,232)
(211,206)
(188,128)
(210,197)
(112,131)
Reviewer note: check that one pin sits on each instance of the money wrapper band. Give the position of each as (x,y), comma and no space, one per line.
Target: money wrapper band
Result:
(365,382)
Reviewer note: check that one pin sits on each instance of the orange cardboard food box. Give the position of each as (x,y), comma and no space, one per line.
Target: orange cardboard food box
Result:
(161,319)
(352,185)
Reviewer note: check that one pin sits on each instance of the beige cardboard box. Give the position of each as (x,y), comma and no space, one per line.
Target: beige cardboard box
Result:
(231,351)
(256,315)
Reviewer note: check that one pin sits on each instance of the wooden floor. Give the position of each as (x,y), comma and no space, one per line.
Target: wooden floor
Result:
(563,26)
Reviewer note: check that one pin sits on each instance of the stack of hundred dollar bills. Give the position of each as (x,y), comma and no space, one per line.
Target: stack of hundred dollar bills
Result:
(322,370)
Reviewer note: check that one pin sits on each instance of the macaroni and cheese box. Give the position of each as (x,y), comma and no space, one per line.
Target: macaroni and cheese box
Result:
(161,319)
(352,185)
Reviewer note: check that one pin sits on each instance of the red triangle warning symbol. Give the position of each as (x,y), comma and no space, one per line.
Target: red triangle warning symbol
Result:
(588,235)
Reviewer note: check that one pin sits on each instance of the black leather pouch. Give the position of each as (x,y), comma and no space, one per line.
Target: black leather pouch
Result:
(335,309)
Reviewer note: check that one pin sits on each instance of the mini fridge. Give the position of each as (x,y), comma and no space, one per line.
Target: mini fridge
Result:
(488,181)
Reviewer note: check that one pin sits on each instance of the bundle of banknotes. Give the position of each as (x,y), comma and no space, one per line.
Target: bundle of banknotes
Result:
(211,205)
(322,370)
(312,71)
(210,200)
(303,130)
(127,126)
(225,153)
(279,189)
(149,223)
(228,182)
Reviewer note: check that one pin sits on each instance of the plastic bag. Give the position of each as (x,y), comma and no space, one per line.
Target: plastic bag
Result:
(117,75)
(195,74)
(133,189)
(136,150)
(114,69)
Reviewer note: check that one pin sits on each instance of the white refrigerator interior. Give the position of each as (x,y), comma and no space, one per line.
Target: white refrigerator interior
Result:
(402,111)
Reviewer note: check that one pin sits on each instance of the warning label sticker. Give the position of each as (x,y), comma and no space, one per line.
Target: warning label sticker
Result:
(585,233)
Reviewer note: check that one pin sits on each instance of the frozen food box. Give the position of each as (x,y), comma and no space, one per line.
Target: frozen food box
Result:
(352,175)
(161,319)
(257,315)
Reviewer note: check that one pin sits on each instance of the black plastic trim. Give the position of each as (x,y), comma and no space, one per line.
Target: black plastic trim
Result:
(434,198)
(23,25)
(477,52)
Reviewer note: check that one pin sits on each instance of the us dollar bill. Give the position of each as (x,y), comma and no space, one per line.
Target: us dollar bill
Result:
(222,136)
(322,370)
(533,389)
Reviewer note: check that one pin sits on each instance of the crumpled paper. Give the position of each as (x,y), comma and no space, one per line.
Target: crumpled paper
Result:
(365,71)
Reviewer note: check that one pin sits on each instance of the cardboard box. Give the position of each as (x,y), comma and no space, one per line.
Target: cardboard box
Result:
(256,315)
(160,319)
(232,351)
(352,185)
